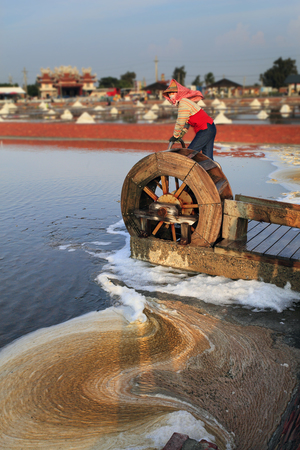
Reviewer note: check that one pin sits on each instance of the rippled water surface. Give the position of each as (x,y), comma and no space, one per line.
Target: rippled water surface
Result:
(135,368)
(51,198)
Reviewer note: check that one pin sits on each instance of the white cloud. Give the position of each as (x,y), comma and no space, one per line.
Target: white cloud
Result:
(172,47)
(240,36)
(293,29)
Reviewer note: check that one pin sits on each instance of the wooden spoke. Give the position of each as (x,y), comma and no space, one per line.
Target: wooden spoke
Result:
(178,192)
(164,182)
(158,184)
(158,226)
(173,232)
(150,193)
(176,183)
(187,206)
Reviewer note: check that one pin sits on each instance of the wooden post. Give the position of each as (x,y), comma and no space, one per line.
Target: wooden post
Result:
(185,234)
(145,227)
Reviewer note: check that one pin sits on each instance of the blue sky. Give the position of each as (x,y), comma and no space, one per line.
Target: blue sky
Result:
(235,39)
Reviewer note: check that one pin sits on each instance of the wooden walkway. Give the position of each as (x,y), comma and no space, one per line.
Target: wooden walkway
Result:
(267,240)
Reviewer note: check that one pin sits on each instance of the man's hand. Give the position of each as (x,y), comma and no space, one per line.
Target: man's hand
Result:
(173,139)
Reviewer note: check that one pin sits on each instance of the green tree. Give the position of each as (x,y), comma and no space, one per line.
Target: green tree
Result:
(9,85)
(197,81)
(33,90)
(179,74)
(127,79)
(109,82)
(209,78)
(276,75)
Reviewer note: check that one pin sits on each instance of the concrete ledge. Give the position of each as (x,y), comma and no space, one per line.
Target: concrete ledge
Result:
(206,260)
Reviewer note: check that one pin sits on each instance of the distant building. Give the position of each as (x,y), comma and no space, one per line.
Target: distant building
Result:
(11,93)
(225,86)
(66,81)
(293,82)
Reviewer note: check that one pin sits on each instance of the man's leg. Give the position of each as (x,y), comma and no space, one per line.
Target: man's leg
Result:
(204,141)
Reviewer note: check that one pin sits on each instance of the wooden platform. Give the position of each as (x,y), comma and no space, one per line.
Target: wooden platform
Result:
(266,240)
(260,240)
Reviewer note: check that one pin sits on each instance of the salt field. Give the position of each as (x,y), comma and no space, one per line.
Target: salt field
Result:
(100,351)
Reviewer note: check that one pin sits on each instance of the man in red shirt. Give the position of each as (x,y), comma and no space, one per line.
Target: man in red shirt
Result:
(191,114)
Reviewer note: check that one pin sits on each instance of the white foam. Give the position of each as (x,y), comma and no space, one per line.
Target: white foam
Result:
(64,247)
(139,275)
(179,422)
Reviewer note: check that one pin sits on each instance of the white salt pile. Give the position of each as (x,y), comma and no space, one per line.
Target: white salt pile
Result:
(12,107)
(166,103)
(262,115)
(77,104)
(150,116)
(114,111)
(4,109)
(43,105)
(221,119)
(201,103)
(221,106)
(155,107)
(267,102)
(67,115)
(255,103)
(139,104)
(215,102)
(285,109)
(85,118)
(99,108)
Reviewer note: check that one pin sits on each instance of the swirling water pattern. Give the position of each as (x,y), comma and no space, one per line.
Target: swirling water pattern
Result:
(128,375)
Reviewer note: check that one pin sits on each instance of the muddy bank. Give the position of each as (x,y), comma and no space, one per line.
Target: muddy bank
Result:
(143,133)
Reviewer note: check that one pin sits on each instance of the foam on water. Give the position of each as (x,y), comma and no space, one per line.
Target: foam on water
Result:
(138,275)
(287,173)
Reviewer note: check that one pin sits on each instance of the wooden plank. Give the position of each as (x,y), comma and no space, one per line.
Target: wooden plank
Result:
(252,224)
(192,154)
(265,202)
(210,221)
(207,164)
(174,165)
(260,237)
(272,214)
(144,170)
(185,234)
(202,185)
(281,243)
(296,255)
(272,239)
(289,250)
(234,227)
(221,185)
(239,244)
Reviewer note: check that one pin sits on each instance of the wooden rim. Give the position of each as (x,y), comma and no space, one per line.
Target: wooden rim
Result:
(149,179)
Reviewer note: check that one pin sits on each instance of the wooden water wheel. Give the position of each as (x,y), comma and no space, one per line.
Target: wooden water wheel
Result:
(175,195)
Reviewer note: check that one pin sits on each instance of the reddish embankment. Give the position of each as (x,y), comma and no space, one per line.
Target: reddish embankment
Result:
(143,135)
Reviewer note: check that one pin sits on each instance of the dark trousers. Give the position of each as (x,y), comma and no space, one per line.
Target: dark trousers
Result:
(204,140)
